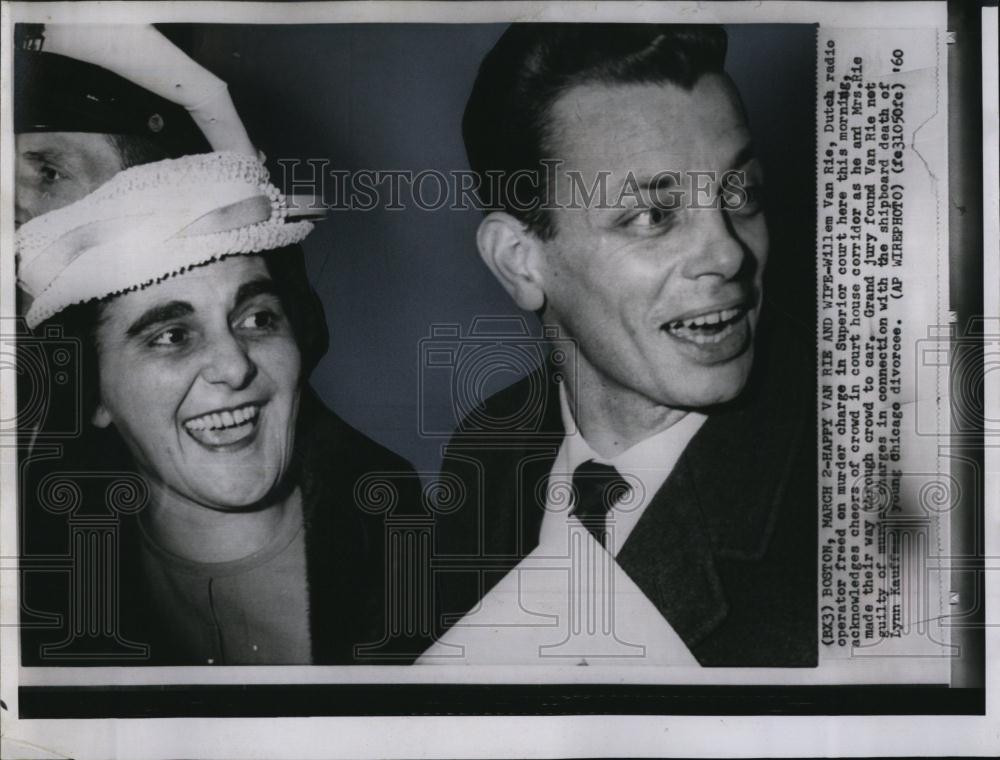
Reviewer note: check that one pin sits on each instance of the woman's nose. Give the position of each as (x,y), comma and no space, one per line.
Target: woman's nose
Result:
(229,362)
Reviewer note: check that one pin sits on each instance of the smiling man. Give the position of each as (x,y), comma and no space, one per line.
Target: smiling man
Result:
(666,429)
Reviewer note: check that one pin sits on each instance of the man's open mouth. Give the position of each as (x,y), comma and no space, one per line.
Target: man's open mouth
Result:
(709,328)
(225,426)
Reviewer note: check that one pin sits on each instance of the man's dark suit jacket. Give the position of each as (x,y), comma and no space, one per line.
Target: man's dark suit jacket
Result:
(725,550)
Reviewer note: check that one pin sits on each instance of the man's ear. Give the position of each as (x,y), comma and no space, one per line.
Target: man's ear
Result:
(101,417)
(513,255)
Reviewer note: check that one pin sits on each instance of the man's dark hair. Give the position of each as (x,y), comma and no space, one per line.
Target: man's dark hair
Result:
(507,123)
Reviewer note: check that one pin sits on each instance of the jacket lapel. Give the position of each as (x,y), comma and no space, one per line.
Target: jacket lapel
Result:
(533,470)
(719,504)
(669,556)
(536,458)
(512,465)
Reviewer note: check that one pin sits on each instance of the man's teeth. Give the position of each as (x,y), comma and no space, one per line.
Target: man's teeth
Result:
(226,419)
(707,319)
(707,328)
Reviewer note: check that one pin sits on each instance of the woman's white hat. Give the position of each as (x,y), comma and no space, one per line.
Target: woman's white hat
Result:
(153,221)
(148,223)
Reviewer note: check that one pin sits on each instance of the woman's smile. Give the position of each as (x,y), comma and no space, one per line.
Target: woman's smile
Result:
(226,429)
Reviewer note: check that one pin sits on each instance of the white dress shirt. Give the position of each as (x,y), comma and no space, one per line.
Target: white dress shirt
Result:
(645,467)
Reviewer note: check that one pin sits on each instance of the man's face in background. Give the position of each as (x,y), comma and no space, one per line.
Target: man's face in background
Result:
(55,169)
(663,298)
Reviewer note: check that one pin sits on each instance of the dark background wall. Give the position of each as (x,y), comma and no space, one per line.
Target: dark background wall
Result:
(391,96)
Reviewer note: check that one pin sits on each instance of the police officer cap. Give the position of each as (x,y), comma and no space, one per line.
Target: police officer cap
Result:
(54,93)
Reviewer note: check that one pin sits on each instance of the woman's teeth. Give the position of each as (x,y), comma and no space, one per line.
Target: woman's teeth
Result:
(222,420)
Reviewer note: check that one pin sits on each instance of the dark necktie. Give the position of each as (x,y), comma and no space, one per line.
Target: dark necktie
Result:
(596,488)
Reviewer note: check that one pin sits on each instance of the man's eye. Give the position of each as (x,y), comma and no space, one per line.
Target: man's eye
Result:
(745,200)
(49,174)
(649,219)
(752,200)
(174,336)
(755,198)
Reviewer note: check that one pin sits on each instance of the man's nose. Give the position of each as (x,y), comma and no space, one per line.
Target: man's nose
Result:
(22,208)
(718,249)
(228,361)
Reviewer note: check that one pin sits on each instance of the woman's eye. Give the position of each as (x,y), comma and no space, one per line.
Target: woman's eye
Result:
(258,320)
(175,336)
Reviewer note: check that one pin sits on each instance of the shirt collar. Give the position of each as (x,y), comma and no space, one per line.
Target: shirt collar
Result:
(653,455)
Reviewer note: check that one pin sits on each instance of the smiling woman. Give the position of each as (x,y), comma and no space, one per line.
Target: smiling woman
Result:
(201,376)
(246,541)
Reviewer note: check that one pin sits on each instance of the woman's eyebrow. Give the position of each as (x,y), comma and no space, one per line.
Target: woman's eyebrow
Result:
(253,288)
(176,309)
(162,313)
